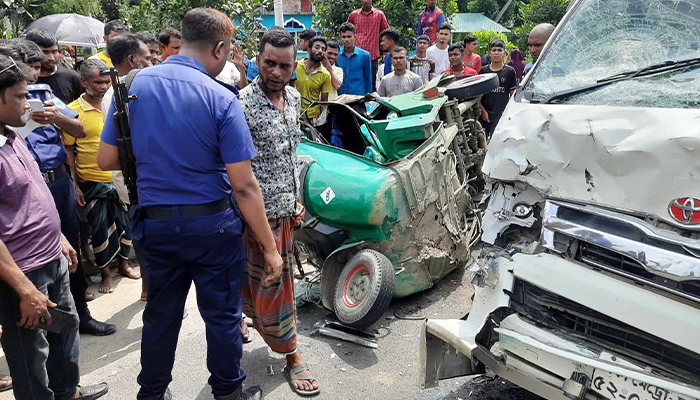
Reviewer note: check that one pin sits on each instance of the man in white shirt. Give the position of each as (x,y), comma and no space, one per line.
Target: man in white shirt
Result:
(438,51)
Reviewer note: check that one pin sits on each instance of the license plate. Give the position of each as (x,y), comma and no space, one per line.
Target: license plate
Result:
(618,387)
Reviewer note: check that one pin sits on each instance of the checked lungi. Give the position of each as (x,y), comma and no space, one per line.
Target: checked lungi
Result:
(272,308)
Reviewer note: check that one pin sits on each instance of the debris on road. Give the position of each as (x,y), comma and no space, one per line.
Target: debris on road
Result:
(349,334)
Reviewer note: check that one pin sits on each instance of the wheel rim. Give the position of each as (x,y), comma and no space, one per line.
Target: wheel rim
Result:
(356,286)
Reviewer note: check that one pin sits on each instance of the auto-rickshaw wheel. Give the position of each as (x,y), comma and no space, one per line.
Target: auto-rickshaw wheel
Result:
(364,289)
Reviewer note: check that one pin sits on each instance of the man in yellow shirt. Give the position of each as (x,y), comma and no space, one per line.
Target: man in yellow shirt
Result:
(106,214)
(313,82)
(112,29)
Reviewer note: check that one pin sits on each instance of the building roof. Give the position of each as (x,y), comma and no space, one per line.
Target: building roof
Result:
(475,22)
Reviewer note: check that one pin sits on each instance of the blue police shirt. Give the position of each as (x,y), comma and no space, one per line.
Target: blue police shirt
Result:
(357,72)
(45,143)
(185,126)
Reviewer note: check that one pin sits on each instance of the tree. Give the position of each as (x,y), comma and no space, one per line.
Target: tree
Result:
(402,15)
(16,15)
(90,8)
(541,11)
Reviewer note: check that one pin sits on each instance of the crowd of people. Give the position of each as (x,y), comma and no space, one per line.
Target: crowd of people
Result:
(217,188)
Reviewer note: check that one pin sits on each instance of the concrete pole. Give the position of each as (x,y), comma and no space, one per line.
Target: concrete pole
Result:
(279,13)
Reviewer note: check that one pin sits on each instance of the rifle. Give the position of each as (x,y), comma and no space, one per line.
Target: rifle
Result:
(121,124)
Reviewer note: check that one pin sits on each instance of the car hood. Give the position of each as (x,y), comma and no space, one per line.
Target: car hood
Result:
(637,159)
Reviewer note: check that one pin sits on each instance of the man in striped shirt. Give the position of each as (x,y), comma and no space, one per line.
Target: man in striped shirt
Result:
(369,22)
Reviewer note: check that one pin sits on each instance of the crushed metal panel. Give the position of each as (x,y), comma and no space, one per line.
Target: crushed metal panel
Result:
(621,157)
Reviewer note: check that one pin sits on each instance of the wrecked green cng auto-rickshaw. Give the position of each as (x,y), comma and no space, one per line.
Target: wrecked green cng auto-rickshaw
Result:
(390,188)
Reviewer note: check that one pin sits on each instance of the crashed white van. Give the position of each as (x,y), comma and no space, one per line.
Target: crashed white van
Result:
(595,192)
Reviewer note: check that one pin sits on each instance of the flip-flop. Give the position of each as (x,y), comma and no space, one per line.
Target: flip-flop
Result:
(294,375)
(5,383)
(245,332)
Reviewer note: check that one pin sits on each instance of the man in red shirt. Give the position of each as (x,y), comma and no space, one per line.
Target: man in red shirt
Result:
(369,22)
(471,59)
(457,67)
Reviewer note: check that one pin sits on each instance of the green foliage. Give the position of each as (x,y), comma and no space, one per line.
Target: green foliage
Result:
(401,15)
(486,37)
(15,15)
(90,8)
(541,11)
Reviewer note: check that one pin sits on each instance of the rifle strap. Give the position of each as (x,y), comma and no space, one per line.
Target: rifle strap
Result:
(130,78)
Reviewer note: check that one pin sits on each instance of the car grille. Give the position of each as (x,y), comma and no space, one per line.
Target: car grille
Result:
(600,257)
(556,312)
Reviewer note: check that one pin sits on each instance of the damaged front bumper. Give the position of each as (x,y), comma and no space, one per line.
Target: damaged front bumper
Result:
(577,333)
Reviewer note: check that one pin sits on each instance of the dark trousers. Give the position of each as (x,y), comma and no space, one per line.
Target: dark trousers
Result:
(63,193)
(375,67)
(489,127)
(209,251)
(43,365)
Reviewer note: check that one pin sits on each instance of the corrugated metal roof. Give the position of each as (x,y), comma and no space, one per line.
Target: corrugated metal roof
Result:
(475,22)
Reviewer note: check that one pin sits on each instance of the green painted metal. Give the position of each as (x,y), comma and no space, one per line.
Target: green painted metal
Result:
(363,192)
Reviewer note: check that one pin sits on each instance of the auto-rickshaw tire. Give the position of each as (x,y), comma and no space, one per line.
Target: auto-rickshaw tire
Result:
(471,87)
(369,270)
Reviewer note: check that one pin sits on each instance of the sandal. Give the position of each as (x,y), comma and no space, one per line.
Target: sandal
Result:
(245,332)
(5,383)
(294,375)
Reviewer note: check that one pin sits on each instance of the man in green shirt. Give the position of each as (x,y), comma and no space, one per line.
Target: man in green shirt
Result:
(313,82)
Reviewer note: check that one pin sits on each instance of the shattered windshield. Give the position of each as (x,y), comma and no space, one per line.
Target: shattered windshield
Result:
(607,37)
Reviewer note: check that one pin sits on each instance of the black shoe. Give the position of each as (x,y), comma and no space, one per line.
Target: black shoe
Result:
(252,393)
(92,392)
(97,328)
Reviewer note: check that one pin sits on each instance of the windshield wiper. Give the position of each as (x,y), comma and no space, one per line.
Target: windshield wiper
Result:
(624,76)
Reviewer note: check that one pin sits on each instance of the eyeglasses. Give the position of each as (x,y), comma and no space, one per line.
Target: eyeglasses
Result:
(14,65)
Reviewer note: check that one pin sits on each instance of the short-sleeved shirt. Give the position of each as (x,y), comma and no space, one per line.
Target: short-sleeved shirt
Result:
(495,102)
(29,223)
(368,26)
(185,127)
(440,56)
(102,56)
(312,86)
(276,135)
(338,72)
(65,84)
(473,61)
(422,67)
(44,143)
(429,23)
(86,162)
(357,72)
(392,84)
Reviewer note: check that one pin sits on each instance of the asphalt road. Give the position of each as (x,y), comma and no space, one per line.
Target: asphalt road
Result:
(345,371)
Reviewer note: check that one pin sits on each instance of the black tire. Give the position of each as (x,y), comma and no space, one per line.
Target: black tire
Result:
(472,86)
(364,289)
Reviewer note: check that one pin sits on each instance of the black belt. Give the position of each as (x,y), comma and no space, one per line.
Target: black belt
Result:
(55,174)
(189,211)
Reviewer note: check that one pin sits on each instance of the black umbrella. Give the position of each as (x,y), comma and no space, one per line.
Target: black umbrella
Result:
(72,29)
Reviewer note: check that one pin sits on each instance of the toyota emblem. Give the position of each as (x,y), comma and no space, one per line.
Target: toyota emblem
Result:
(685,210)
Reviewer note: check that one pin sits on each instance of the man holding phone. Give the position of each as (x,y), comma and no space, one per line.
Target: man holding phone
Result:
(45,145)
(35,260)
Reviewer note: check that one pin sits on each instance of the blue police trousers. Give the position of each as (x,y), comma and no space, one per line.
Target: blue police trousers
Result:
(209,251)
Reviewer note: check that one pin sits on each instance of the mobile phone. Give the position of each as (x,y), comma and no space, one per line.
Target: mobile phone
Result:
(37,105)
(59,320)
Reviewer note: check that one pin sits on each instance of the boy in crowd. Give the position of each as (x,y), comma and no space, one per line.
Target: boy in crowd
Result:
(494,103)
(438,51)
(421,64)
(305,37)
(170,43)
(401,80)
(112,29)
(457,67)
(471,59)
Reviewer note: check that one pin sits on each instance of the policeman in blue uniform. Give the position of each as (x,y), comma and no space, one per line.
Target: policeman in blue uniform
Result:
(192,148)
(45,145)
